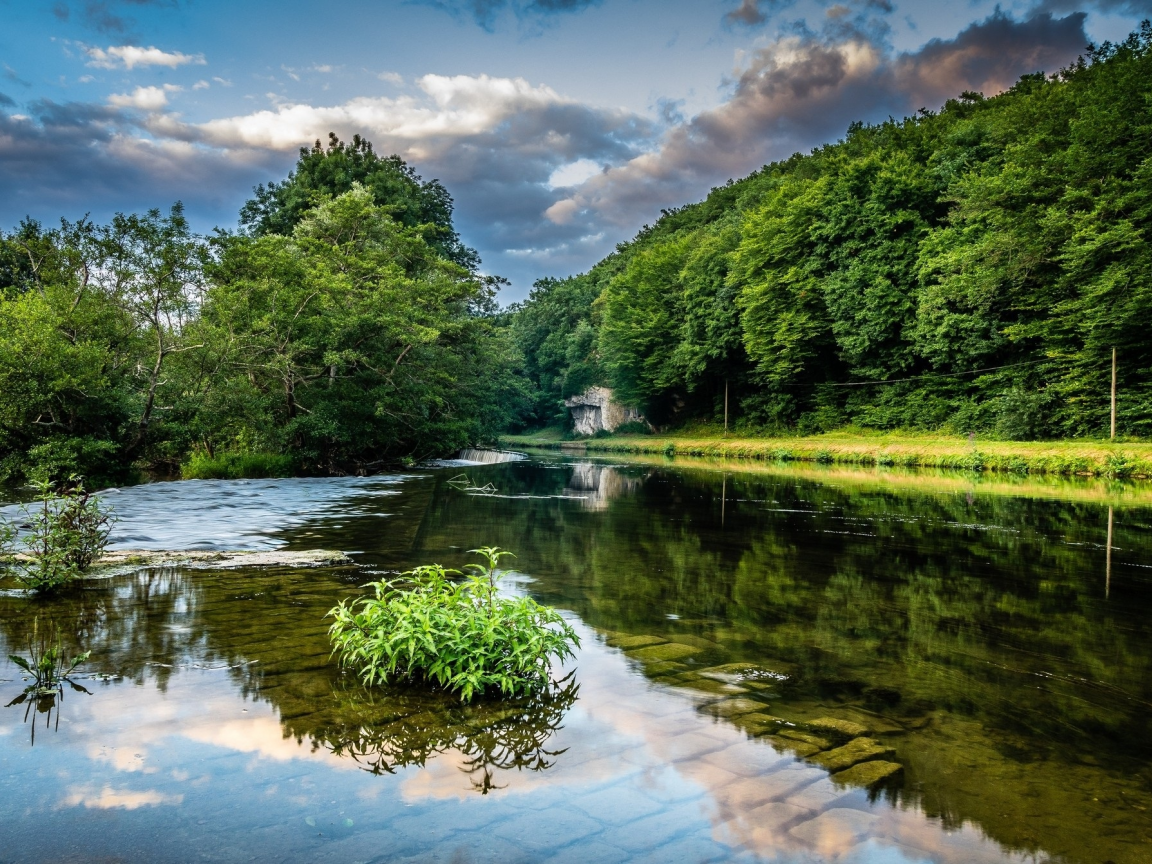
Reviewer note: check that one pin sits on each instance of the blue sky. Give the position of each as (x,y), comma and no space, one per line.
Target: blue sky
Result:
(559,126)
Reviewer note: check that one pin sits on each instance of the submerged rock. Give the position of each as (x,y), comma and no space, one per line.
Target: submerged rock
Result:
(695,641)
(852,753)
(706,685)
(666,651)
(798,747)
(221,560)
(845,728)
(805,738)
(735,707)
(758,723)
(868,773)
(744,674)
(664,669)
(625,641)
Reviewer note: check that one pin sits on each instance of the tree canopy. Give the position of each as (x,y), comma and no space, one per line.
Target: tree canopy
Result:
(968,269)
(347,329)
(322,173)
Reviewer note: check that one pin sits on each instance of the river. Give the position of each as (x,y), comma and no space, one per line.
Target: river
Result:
(983,631)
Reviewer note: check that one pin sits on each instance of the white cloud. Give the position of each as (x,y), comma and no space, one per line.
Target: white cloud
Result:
(573,174)
(391,77)
(144,98)
(131,56)
(201,85)
(452,107)
(108,798)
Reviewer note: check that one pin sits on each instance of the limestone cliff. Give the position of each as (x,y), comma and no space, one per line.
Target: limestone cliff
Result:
(594,409)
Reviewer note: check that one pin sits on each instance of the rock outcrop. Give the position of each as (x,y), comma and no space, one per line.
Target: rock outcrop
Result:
(595,410)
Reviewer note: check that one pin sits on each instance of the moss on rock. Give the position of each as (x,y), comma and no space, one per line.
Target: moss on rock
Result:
(852,753)
(868,773)
(666,651)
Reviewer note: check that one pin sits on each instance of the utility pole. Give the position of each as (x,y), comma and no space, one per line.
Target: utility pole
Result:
(726,403)
(1113,393)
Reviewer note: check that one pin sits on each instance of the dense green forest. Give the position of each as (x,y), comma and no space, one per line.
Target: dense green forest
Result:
(345,329)
(970,269)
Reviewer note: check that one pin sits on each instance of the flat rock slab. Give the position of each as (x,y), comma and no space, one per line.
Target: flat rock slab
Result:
(798,747)
(846,728)
(868,773)
(858,750)
(667,651)
(706,686)
(735,707)
(697,642)
(214,560)
(805,738)
(758,723)
(622,640)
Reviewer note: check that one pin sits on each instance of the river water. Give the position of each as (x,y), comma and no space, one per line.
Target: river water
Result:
(980,630)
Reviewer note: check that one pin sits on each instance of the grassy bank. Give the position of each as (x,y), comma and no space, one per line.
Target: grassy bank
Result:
(237,466)
(1087,458)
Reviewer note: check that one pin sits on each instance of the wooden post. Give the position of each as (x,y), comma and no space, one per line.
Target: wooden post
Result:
(1113,393)
(1108,558)
(726,405)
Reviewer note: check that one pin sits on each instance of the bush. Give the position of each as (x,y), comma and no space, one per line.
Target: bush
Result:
(632,427)
(68,533)
(460,635)
(237,466)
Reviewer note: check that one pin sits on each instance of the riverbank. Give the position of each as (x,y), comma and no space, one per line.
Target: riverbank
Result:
(1085,458)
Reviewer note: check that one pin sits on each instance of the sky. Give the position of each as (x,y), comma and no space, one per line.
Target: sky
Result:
(560,127)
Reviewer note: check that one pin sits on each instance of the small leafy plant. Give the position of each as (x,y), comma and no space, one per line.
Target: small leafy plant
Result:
(68,531)
(48,670)
(459,634)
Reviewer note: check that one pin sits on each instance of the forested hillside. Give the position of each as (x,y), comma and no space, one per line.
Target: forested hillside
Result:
(346,329)
(970,269)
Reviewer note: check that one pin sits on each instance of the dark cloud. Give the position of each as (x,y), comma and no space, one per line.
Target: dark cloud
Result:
(747,13)
(495,143)
(486,12)
(1117,7)
(105,16)
(7,100)
(73,158)
(12,76)
(805,89)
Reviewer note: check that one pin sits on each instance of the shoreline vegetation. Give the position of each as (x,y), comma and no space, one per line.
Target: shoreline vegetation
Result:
(1122,460)
(985,268)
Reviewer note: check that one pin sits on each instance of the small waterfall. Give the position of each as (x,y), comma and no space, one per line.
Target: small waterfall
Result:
(488,457)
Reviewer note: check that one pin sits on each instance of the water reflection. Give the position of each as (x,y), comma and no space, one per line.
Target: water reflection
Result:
(597,485)
(399,731)
(726,619)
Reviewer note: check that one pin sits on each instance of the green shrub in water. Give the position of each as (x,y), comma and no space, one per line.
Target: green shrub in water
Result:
(459,634)
(67,533)
(237,466)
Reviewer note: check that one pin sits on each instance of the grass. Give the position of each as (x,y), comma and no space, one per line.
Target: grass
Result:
(856,447)
(237,466)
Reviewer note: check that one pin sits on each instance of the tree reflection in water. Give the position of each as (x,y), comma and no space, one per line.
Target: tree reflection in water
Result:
(491,736)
